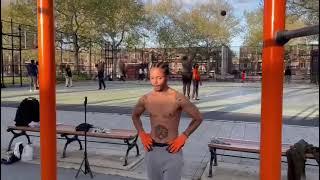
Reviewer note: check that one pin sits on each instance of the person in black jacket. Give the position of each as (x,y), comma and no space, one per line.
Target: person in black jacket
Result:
(68,76)
(101,76)
(287,74)
(186,75)
(33,74)
(296,157)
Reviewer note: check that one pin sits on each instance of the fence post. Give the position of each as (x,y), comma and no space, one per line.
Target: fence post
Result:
(2,68)
(90,58)
(12,59)
(20,55)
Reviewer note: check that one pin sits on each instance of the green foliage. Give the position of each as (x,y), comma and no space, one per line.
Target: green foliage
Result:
(305,10)
(132,40)
(116,19)
(22,11)
(202,25)
(254,21)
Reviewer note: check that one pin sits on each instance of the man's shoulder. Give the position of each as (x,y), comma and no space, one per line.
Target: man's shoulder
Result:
(146,96)
(176,94)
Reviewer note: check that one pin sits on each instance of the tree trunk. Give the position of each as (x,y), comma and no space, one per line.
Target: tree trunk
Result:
(76,54)
(114,61)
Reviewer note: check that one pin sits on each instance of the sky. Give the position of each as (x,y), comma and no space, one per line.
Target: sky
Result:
(240,6)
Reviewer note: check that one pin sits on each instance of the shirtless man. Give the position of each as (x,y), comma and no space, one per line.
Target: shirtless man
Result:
(163,144)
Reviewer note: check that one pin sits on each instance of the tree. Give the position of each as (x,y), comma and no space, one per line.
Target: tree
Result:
(254,30)
(214,28)
(305,10)
(22,12)
(74,23)
(200,26)
(254,21)
(163,17)
(116,20)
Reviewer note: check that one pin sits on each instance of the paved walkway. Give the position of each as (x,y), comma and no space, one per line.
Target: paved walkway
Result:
(24,171)
(196,154)
(218,100)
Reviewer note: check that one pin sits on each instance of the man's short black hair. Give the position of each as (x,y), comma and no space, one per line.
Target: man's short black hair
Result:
(185,58)
(32,61)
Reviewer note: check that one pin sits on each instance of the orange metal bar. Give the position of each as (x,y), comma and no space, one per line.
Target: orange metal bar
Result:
(47,79)
(272,91)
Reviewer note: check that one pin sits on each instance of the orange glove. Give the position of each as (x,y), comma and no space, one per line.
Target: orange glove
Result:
(146,140)
(176,144)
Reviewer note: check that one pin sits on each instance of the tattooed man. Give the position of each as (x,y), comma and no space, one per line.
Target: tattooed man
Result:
(163,144)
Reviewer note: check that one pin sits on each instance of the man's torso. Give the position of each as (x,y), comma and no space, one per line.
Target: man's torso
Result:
(164,114)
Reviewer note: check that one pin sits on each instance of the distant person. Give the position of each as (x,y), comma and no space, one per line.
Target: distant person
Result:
(145,73)
(140,75)
(68,76)
(122,67)
(196,81)
(186,75)
(123,76)
(243,76)
(37,64)
(100,75)
(287,74)
(33,74)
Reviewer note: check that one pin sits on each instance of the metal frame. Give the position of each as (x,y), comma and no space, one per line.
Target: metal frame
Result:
(12,49)
(15,135)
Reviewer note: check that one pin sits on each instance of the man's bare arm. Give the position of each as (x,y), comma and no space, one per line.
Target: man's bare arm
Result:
(136,113)
(192,111)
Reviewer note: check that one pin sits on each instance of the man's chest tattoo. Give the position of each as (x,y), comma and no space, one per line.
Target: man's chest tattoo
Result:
(161,132)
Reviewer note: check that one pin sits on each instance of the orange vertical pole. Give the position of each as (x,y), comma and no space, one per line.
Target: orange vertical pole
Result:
(47,81)
(272,91)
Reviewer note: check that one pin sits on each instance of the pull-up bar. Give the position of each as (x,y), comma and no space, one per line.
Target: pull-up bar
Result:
(284,36)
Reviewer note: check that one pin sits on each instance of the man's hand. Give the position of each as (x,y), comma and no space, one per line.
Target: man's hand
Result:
(176,144)
(146,140)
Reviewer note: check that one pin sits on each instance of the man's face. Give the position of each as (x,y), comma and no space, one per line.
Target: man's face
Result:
(158,79)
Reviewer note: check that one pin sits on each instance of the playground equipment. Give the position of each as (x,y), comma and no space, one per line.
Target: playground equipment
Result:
(274,37)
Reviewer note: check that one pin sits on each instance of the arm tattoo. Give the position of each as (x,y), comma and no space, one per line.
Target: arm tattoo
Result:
(161,132)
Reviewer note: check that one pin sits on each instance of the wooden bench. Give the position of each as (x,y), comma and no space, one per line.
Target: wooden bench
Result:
(240,146)
(128,136)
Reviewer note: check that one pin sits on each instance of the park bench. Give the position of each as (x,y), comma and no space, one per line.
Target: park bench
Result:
(66,131)
(239,146)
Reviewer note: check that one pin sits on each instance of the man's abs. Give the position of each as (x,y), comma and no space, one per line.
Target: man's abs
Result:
(163,131)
